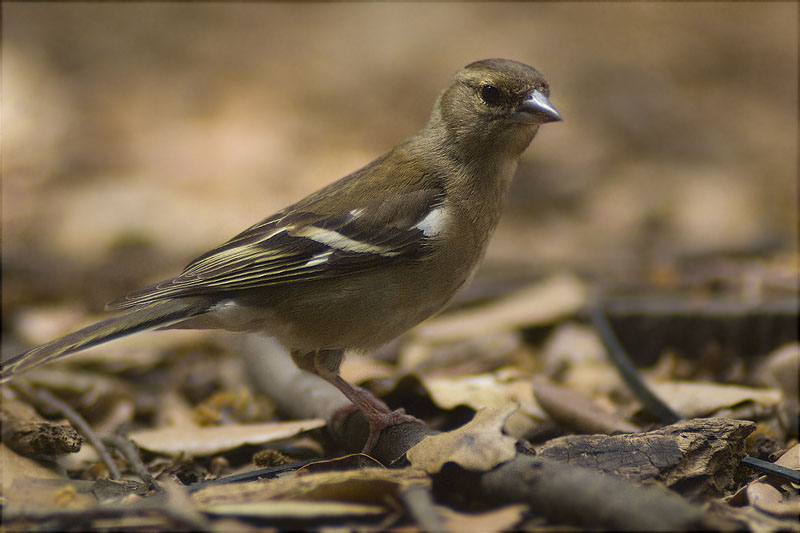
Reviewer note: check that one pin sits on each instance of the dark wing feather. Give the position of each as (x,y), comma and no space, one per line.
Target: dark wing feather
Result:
(281,249)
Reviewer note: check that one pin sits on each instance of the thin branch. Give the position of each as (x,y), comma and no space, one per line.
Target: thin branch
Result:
(131,453)
(48,400)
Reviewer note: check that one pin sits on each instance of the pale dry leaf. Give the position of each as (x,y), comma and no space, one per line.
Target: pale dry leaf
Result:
(790,459)
(360,486)
(696,399)
(202,441)
(299,509)
(519,425)
(768,499)
(484,390)
(502,519)
(542,303)
(479,445)
(760,493)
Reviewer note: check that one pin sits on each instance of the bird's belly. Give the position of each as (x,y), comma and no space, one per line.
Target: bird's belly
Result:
(354,314)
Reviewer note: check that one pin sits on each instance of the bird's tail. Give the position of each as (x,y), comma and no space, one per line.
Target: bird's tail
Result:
(156,315)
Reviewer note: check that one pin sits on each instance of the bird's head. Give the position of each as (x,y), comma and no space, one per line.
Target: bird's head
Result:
(495,103)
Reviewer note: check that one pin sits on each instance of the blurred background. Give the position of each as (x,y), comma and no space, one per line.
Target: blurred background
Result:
(137,136)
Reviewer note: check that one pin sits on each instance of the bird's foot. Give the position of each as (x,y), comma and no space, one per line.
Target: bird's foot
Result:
(380,422)
(376,413)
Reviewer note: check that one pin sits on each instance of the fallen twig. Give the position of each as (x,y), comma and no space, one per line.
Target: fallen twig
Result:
(53,403)
(580,496)
(131,453)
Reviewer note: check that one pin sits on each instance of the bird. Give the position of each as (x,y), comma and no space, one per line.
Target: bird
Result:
(363,259)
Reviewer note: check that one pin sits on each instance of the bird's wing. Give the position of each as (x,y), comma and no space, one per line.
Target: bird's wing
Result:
(297,245)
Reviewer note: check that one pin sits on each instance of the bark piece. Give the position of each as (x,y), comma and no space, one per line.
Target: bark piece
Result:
(28,434)
(696,457)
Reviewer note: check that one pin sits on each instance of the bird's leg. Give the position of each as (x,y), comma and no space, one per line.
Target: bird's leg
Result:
(378,415)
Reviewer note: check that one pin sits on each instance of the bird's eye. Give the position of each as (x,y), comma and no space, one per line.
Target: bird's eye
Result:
(490,94)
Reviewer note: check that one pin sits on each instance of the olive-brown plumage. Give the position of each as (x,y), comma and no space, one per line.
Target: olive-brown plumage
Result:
(362,260)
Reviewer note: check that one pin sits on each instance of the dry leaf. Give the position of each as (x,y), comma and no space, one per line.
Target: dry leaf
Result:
(542,303)
(693,400)
(485,390)
(790,459)
(767,498)
(479,445)
(360,486)
(502,519)
(294,509)
(209,440)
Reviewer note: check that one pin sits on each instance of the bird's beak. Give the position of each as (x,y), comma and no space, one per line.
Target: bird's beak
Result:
(537,109)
